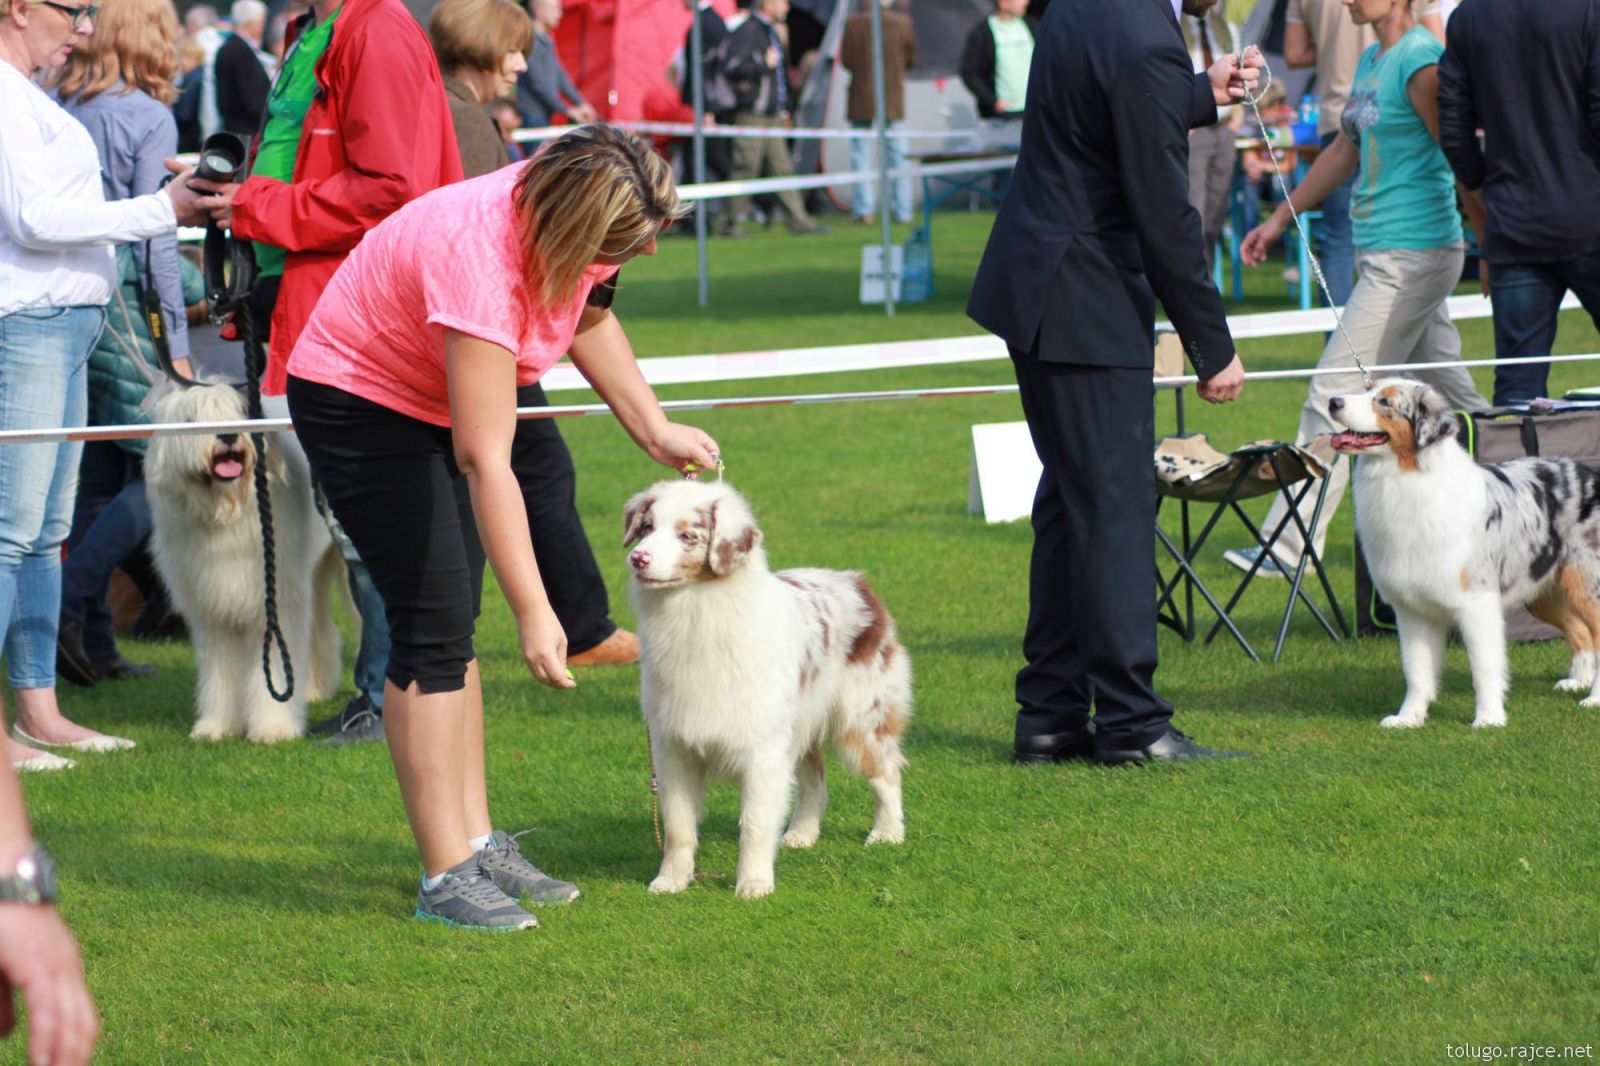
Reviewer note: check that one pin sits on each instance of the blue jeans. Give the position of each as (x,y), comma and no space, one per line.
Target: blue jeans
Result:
(864,197)
(110,521)
(44,358)
(1338,245)
(1527,300)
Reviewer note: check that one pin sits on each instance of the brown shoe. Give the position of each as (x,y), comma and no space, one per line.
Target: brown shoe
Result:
(619,649)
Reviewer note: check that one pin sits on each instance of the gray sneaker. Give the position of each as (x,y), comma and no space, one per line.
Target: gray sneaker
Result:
(467,899)
(502,860)
(359,722)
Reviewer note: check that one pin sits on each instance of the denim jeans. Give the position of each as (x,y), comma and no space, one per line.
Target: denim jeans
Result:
(109,522)
(1338,245)
(1527,300)
(44,358)
(863,156)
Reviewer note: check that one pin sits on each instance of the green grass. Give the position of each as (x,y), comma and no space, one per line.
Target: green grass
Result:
(1346,895)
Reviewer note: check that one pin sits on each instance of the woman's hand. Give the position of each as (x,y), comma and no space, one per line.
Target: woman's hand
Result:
(677,446)
(186,199)
(1259,241)
(544,647)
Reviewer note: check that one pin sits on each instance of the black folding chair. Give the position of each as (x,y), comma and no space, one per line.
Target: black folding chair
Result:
(1255,470)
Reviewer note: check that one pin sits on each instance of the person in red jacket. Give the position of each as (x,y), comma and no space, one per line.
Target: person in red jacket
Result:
(357,125)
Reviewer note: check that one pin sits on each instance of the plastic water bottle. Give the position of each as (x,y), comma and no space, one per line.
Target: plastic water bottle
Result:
(1309,105)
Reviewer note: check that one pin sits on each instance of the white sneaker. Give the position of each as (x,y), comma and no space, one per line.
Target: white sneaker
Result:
(1245,558)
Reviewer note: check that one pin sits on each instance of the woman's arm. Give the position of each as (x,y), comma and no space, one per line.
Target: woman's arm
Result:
(482,379)
(1337,162)
(35,216)
(601,352)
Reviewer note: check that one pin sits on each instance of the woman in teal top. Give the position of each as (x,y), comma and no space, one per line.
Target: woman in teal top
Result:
(1408,239)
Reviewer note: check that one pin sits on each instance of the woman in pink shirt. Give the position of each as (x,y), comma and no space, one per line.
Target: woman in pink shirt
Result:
(403,392)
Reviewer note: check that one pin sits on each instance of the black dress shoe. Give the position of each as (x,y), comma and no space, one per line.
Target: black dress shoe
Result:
(72,661)
(1055,747)
(117,668)
(1171,746)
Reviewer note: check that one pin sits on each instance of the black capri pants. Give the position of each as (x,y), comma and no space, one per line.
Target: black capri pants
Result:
(394,486)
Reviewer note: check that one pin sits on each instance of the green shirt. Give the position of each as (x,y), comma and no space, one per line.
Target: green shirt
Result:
(291,98)
(1406,194)
(1013,55)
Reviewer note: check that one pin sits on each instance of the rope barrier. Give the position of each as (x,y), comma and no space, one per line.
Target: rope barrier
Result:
(280,425)
(535,134)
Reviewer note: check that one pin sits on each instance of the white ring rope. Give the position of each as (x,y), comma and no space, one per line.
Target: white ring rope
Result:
(279,425)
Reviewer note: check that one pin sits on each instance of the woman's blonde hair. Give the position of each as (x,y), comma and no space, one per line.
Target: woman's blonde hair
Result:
(478,34)
(597,191)
(134,42)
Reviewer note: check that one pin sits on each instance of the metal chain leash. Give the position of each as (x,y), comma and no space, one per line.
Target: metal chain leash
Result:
(1299,224)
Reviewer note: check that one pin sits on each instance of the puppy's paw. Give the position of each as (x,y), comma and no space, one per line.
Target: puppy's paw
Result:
(1589,701)
(666,886)
(209,729)
(800,838)
(1403,721)
(1490,720)
(887,836)
(1574,684)
(753,888)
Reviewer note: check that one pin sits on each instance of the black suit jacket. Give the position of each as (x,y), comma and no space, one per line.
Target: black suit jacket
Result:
(1097,214)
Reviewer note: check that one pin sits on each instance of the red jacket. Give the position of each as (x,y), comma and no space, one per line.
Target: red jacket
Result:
(377,135)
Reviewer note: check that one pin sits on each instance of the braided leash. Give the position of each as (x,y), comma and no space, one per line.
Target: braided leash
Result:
(254,365)
(1299,224)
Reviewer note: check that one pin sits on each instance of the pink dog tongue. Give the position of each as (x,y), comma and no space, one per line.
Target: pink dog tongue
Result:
(228,468)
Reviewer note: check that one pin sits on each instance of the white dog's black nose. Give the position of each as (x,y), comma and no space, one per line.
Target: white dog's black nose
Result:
(230,439)
(639,559)
(1336,405)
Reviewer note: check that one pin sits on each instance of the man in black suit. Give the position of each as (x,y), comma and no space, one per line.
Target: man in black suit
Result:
(1096,217)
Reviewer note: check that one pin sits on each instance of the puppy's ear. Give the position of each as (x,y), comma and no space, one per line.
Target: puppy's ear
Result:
(1432,421)
(733,536)
(635,516)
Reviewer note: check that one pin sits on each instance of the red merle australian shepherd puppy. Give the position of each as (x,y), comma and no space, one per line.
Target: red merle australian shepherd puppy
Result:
(747,674)
(1454,543)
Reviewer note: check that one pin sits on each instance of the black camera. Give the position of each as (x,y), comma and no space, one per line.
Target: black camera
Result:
(222,158)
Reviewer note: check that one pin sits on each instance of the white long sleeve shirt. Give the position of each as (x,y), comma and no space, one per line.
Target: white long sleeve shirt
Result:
(56,228)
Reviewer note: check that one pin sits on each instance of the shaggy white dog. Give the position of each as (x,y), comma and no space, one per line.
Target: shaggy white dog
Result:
(207,546)
(747,673)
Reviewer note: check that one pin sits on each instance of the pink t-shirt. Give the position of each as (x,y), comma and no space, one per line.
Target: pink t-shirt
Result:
(449,259)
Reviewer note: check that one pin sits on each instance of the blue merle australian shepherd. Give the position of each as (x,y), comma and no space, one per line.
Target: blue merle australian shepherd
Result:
(1453,543)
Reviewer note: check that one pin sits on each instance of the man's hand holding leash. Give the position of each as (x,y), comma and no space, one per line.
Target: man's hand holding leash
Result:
(1223,387)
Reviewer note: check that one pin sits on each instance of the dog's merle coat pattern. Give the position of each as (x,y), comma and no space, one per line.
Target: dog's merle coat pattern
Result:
(1453,542)
(747,673)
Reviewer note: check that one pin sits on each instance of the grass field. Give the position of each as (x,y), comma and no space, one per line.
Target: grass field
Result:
(1347,895)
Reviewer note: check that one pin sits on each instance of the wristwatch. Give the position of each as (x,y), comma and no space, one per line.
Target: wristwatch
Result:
(32,881)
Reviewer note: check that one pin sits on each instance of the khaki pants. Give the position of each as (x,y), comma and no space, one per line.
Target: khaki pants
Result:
(1211,160)
(764,157)
(1396,315)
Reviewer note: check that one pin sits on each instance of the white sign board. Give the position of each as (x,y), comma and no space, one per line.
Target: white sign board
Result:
(1005,472)
(872,272)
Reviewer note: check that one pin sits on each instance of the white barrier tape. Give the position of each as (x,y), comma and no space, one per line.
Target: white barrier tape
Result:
(796,362)
(715,190)
(535,134)
(279,425)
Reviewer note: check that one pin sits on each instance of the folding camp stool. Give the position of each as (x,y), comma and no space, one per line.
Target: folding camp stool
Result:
(1254,470)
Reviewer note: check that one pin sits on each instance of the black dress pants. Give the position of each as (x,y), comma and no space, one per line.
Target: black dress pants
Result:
(1091,637)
